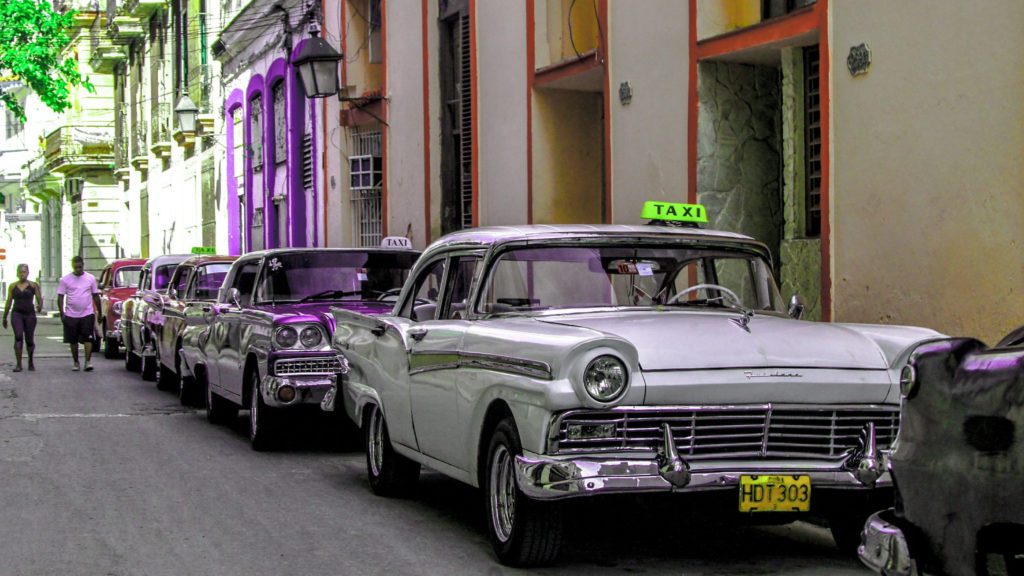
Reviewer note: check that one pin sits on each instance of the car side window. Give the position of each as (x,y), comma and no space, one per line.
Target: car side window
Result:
(180,280)
(459,283)
(245,281)
(105,278)
(423,304)
(143,279)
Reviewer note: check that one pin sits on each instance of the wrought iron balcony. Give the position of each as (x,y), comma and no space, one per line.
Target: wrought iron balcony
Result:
(124,28)
(73,148)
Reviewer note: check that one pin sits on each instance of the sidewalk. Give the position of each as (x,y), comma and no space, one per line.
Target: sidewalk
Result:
(49,344)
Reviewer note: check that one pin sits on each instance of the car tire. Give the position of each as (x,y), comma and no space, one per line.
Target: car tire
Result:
(132,363)
(187,385)
(523,531)
(110,345)
(219,410)
(263,420)
(149,371)
(166,379)
(390,473)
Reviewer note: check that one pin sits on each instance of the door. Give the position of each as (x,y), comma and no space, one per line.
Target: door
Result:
(434,362)
(222,346)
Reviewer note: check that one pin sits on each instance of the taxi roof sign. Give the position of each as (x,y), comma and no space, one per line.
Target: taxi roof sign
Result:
(205,250)
(673,212)
(395,242)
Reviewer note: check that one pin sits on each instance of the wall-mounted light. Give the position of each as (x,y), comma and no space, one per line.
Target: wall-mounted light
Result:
(317,62)
(186,110)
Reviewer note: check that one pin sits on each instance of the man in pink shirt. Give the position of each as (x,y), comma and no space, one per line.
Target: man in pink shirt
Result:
(78,300)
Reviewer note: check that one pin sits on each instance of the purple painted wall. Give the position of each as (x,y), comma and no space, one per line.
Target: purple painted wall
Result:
(234,101)
(254,89)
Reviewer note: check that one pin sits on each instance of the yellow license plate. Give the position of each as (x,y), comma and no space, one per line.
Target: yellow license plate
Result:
(766,493)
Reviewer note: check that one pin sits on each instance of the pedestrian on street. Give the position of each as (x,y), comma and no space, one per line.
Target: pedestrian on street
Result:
(78,300)
(23,319)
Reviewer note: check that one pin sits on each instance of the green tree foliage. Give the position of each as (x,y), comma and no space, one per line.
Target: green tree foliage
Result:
(33,38)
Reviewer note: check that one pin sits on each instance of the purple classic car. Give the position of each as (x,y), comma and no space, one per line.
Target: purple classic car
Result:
(958,463)
(266,343)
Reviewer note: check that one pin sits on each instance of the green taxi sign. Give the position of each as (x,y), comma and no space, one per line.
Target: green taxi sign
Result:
(673,212)
(204,250)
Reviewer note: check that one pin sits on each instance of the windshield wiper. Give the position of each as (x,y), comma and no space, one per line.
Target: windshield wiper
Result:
(334,294)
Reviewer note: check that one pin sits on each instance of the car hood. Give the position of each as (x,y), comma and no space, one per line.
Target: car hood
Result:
(120,293)
(321,310)
(686,340)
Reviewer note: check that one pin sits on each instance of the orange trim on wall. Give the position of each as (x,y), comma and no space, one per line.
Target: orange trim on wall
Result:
(824,71)
(602,7)
(384,130)
(693,107)
(426,127)
(474,112)
(793,24)
(531,70)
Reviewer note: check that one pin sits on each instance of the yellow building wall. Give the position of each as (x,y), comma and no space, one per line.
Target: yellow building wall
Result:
(361,75)
(567,149)
(927,177)
(716,17)
(564,28)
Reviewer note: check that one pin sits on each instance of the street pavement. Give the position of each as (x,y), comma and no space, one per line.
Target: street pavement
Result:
(102,474)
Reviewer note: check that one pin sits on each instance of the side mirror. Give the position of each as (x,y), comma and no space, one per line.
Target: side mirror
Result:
(235,297)
(796,307)
(172,292)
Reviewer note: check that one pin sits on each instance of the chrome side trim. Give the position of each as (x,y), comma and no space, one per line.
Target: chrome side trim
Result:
(428,360)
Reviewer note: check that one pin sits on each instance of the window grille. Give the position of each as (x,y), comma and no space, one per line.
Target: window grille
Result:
(256,132)
(280,124)
(307,162)
(812,142)
(365,184)
(466,120)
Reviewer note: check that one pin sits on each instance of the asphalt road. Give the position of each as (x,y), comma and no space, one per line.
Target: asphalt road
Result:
(102,474)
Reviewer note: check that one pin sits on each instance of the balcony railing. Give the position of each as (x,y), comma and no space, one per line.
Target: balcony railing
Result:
(70,148)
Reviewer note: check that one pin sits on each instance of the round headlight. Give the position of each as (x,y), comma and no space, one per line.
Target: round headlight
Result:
(908,381)
(118,307)
(311,336)
(605,378)
(286,337)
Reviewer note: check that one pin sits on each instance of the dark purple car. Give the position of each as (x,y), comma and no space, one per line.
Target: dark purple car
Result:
(266,342)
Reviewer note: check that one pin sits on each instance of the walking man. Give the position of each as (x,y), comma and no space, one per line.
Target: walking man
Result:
(78,300)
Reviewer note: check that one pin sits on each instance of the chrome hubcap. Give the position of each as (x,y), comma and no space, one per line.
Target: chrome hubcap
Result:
(502,494)
(375,447)
(254,410)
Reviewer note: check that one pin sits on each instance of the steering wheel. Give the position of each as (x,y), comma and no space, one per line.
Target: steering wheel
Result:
(389,293)
(732,295)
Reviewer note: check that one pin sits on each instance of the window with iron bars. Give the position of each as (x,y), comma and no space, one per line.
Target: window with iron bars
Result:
(812,143)
(365,179)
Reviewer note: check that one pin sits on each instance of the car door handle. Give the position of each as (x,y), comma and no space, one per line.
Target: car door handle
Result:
(417,334)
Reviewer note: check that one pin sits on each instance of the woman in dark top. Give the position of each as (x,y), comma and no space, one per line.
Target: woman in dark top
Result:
(22,293)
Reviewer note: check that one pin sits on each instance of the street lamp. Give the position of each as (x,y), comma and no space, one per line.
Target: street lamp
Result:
(318,67)
(187,112)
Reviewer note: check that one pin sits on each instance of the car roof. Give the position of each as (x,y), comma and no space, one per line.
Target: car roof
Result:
(492,235)
(127,262)
(208,258)
(166,259)
(276,251)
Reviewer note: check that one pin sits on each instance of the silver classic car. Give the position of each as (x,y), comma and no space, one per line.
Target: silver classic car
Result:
(549,362)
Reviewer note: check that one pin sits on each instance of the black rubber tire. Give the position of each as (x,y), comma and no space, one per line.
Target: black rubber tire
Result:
(535,535)
(149,368)
(166,379)
(111,347)
(187,385)
(264,421)
(219,410)
(132,363)
(391,474)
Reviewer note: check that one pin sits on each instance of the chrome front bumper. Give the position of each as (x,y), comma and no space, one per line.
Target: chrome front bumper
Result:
(883,546)
(551,477)
(308,390)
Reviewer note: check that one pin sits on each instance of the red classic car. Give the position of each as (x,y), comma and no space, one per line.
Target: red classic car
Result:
(118,282)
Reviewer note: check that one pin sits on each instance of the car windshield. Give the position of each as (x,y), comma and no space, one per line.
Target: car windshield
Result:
(127,276)
(330,275)
(162,276)
(559,277)
(209,277)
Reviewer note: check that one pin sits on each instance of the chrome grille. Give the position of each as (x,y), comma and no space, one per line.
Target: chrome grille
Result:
(710,432)
(324,366)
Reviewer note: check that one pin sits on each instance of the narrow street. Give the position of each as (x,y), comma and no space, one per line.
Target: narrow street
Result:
(104,474)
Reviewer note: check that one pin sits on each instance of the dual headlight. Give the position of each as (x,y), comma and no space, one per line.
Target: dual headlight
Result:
(605,378)
(309,336)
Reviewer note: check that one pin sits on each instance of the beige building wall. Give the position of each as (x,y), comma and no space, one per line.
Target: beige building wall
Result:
(501,103)
(928,184)
(567,175)
(405,164)
(650,50)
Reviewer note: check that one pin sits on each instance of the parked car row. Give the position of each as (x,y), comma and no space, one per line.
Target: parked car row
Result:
(544,363)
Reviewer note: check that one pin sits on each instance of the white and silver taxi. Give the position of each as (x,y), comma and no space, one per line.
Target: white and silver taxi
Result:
(550,362)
